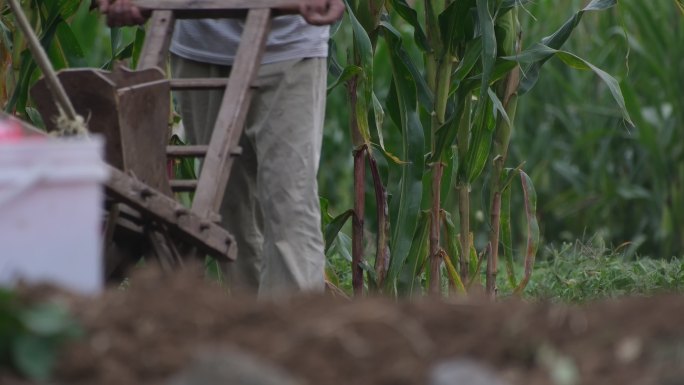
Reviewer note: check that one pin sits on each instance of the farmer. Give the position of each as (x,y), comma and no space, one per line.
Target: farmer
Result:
(271,204)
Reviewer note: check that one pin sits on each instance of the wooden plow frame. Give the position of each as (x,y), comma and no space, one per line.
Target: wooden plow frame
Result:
(131,109)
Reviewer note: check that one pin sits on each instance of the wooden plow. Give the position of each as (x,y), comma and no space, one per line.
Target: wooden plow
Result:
(131,109)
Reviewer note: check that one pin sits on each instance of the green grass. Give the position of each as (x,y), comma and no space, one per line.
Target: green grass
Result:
(580,272)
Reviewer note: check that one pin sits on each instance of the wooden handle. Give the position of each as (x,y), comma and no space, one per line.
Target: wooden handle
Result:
(289,6)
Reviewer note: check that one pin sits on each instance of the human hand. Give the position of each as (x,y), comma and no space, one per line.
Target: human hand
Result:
(321,12)
(122,13)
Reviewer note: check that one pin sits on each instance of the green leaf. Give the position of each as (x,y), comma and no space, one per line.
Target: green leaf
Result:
(506,234)
(410,188)
(47,319)
(363,51)
(480,143)
(446,135)
(453,25)
(334,227)
(392,105)
(379,115)
(19,97)
(71,49)
(68,8)
(348,73)
(557,39)
(34,356)
(530,199)
(507,5)
(115,37)
(498,107)
(470,57)
(334,67)
(409,275)
(35,117)
(488,44)
(540,53)
(411,16)
(613,85)
(343,245)
(425,96)
(138,43)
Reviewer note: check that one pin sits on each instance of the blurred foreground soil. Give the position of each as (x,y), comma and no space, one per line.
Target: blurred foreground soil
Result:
(153,329)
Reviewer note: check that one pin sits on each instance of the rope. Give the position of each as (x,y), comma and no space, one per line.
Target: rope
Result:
(68,122)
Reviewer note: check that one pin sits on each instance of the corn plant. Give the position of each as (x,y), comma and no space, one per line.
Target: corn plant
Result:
(452,97)
(629,190)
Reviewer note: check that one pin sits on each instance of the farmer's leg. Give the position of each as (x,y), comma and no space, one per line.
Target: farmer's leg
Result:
(286,123)
(240,212)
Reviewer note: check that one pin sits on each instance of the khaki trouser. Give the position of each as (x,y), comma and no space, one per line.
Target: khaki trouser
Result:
(271,203)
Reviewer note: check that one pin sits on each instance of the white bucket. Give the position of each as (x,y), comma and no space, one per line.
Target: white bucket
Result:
(51,203)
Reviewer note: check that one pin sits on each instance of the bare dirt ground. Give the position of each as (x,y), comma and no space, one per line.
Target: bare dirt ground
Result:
(145,334)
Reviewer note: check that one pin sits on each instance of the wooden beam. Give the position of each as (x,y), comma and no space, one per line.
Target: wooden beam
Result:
(156,46)
(233,113)
(208,236)
(198,151)
(199,83)
(183,185)
(186,151)
(189,5)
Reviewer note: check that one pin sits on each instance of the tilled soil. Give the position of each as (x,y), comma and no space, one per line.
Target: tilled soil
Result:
(150,331)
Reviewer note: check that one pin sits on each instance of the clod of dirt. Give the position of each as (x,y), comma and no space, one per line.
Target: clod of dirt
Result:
(231,366)
(463,372)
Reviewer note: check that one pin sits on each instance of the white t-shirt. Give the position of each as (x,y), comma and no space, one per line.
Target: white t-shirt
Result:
(215,41)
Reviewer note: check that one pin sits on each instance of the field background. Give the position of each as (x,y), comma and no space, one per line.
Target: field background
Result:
(603,189)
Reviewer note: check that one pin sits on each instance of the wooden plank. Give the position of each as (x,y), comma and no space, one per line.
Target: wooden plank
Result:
(186,151)
(231,118)
(199,83)
(183,185)
(144,111)
(198,151)
(189,5)
(158,39)
(208,236)
(163,250)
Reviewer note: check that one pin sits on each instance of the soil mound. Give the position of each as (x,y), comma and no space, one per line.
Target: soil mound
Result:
(153,329)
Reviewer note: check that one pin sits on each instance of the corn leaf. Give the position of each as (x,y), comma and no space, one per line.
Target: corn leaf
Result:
(347,73)
(488,46)
(557,39)
(333,228)
(71,49)
(540,53)
(364,50)
(410,187)
(408,279)
(530,199)
(480,143)
(506,234)
(455,24)
(425,96)
(411,16)
(19,97)
(138,43)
